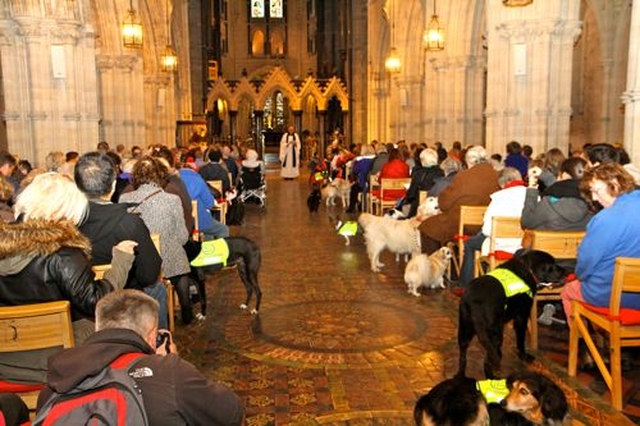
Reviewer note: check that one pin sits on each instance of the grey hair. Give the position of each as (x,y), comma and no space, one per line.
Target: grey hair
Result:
(428,157)
(476,155)
(508,174)
(450,165)
(129,309)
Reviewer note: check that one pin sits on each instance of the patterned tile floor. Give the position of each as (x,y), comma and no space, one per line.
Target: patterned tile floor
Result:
(334,343)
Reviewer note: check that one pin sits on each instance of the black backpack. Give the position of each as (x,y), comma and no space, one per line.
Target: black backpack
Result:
(110,398)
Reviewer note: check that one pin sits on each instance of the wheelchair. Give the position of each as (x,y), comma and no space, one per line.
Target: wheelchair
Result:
(253,185)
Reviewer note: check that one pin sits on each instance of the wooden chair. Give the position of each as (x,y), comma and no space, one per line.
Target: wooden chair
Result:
(621,324)
(501,227)
(100,270)
(197,235)
(387,184)
(371,200)
(171,301)
(219,206)
(31,327)
(469,216)
(561,245)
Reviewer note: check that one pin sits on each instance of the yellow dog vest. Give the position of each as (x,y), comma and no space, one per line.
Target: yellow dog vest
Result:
(493,390)
(511,283)
(213,252)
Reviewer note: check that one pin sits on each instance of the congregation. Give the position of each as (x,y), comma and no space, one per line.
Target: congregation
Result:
(102,207)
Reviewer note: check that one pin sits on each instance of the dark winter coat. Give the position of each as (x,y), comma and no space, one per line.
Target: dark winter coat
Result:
(174,391)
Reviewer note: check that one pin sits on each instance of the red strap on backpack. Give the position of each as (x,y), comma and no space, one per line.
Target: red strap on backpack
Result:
(125,360)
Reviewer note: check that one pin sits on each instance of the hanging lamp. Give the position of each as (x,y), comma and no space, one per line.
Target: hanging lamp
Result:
(393,64)
(132,29)
(169,59)
(433,37)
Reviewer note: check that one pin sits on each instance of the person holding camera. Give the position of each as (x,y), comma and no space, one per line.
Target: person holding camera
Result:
(174,391)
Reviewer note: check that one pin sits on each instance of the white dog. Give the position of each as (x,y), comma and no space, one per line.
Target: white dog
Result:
(336,189)
(382,232)
(428,208)
(427,271)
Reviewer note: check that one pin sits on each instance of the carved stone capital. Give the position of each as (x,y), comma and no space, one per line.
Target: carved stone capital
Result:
(11,116)
(37,116)
(490,113)
(74,116)
(116,62)
(630,96)
(511,112)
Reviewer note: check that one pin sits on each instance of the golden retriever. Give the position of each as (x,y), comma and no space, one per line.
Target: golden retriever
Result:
(427,271)
(383,232)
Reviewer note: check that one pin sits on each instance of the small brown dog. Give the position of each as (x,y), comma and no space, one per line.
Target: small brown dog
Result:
(536,398)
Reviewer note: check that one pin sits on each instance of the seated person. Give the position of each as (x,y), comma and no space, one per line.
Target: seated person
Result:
(449,166)
(173,391)
(508,201)
(560,207)
(45,258)
(613,232)
(472,186)
(215,169)
(359,175)
(423,178)
(395,168)
(107,223)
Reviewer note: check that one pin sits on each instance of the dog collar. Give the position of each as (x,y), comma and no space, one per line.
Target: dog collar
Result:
(511,283)
(493,390)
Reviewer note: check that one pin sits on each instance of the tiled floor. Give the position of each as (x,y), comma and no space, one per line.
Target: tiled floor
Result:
(334,343)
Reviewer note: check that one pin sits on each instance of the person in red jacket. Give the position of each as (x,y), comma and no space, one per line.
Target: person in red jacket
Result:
(395,168)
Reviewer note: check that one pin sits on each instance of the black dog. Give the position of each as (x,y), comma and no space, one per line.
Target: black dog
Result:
(485,307)
(246,256)
(313,200)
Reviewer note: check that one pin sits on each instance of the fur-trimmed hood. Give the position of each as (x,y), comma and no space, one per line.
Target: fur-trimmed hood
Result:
(21,242)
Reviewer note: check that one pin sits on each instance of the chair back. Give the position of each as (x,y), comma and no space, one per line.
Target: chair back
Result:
(391,184)
(502,227)
(100,270)
(36,326)
(626,279)
(216,184)
(559,244)
(469,216)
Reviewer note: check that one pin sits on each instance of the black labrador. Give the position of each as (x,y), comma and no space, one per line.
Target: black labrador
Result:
(486,307)
(246,256)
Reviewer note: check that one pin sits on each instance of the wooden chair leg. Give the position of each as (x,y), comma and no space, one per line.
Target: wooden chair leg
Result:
(573,345)
(170,304)
(615,359)
(533,325)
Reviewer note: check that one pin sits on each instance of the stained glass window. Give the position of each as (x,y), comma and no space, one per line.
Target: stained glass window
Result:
(275,8)
(257,8)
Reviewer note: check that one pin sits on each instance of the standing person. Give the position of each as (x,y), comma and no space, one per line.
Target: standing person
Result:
(290,154)
(174,392)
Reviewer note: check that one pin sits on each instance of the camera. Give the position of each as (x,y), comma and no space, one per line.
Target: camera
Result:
(163,338)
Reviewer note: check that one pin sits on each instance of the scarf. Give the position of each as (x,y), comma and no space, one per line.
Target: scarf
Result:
(293,149)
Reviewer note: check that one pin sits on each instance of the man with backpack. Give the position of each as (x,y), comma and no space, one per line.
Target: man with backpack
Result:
(82,381)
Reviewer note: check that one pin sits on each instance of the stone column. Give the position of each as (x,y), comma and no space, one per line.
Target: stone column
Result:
(322,123)
(232,125)
(259,142)
(631,96)
(529,74)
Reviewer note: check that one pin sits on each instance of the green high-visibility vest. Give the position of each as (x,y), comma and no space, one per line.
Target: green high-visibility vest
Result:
(213,252)
(511,283)
(348,229)
(493,390)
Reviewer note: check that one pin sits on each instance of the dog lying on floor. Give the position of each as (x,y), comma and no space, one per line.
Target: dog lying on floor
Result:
(524,399)
(533,396)
(336,189)
(382,232)
(427,271)
(242,253)
(503,295)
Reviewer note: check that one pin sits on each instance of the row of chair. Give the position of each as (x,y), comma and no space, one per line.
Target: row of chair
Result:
(377,205)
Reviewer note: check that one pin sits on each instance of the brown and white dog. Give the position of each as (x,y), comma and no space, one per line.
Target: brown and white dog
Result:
(427,271)
(336,189)
(428,208)
(536,398)
(383,232)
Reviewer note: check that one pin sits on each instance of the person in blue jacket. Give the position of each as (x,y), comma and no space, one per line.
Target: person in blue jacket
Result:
(613,232)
